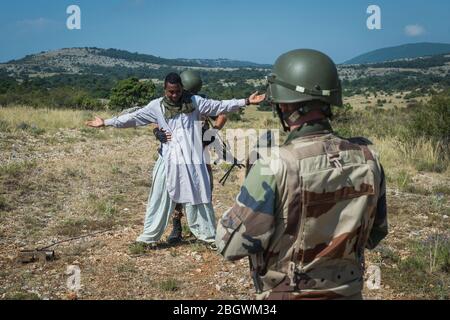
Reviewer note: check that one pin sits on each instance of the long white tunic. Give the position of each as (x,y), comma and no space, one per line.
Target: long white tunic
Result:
(186,172)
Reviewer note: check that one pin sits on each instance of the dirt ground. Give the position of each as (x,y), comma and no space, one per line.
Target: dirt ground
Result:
(71,183)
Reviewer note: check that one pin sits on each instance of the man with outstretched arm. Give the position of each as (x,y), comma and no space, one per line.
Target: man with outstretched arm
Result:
(180,175)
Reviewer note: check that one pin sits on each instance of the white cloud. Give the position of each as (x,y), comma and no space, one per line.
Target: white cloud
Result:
(414,30)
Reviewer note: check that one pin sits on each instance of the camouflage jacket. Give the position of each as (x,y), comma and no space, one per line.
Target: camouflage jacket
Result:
(304,217)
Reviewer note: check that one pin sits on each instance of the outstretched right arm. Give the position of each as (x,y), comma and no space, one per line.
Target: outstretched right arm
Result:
(141,117)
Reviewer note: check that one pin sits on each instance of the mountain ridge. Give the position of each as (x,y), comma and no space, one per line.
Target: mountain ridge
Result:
(405,51)
(140,58)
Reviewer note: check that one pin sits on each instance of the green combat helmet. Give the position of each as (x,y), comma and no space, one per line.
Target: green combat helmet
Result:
(304,75)
(191,81)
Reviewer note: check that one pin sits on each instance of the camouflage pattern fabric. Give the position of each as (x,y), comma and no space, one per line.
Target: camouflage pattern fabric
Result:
(305,217)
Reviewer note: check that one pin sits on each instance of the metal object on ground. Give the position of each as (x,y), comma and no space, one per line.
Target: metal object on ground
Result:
(44,254)
(28,256)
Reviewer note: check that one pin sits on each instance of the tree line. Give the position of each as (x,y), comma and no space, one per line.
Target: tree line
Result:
(102,87)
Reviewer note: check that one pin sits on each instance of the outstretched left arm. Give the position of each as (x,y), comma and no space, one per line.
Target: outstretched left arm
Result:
(214,107)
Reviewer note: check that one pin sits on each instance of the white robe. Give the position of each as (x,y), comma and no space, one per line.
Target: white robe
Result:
(186,173)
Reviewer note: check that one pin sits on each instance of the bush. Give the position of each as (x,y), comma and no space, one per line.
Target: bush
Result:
(433,120)
(236,116)
(85,102)
(264,107)
(130,93)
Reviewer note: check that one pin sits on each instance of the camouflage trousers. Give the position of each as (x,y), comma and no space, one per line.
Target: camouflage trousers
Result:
(200,218)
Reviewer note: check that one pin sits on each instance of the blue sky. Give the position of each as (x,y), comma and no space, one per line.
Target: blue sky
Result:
(257,31)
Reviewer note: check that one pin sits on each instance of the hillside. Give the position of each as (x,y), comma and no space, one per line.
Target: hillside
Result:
(85,60)
(407,51)
(62,77)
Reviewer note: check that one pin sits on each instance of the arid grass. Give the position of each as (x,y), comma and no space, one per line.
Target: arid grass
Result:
(425,273)
(127,267)
(18,295)
(442,189)
(3,203)
(402,161)
(72,227)
(16,118)
(16,170)
(71,181)
(169,285)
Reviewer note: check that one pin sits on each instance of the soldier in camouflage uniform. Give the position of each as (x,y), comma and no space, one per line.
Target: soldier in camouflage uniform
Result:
(306,213)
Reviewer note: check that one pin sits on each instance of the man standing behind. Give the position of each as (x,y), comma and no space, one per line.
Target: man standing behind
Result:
(180,175)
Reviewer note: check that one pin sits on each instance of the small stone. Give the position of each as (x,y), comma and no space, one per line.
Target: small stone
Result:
(72,296)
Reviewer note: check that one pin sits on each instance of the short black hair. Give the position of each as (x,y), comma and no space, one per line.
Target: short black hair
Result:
(172,78)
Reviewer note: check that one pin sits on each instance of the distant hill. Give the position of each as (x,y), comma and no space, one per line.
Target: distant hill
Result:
(91,73)
(114,57)
(50,78)
(407,51)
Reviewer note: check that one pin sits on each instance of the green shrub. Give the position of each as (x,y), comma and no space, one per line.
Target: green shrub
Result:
(236,116)
(433,120)
(137,248)
(264,107)
(131,92)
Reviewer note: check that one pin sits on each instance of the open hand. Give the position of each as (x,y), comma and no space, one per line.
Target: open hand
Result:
(256,99)
(96,123)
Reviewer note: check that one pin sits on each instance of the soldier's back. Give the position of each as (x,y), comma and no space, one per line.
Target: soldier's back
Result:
(328,189)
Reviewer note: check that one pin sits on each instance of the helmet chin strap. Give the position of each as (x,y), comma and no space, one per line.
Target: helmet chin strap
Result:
(296,119)
(280,116)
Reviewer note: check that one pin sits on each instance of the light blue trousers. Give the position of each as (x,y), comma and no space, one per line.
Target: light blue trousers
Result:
(200,218)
